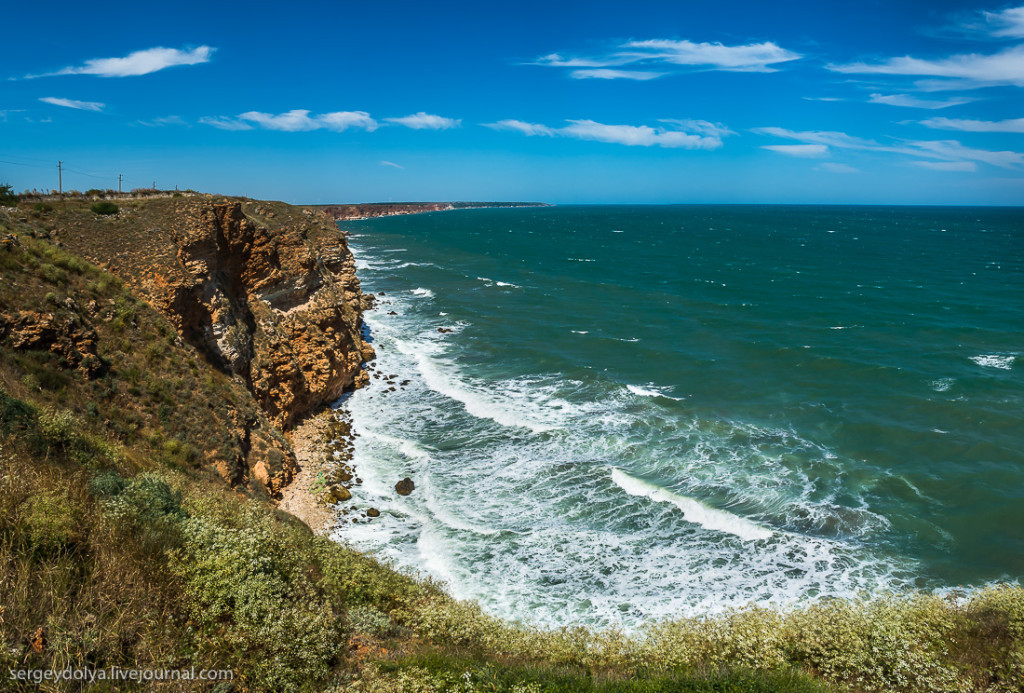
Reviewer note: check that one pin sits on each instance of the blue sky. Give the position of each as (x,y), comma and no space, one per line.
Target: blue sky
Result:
(598,102)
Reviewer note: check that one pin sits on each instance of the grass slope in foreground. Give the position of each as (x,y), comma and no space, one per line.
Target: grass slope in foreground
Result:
(121,547)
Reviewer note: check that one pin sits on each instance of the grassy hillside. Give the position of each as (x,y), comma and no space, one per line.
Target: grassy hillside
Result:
(124,544)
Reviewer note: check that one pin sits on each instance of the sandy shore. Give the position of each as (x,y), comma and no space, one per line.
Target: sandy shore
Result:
(303,498)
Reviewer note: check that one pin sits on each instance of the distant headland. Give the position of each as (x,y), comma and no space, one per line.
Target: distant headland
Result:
(368,210)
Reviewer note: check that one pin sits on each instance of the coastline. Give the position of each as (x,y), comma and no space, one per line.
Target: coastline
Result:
(204,570)
(371,210)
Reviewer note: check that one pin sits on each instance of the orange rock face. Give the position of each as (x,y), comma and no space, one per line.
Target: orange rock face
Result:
(278,305)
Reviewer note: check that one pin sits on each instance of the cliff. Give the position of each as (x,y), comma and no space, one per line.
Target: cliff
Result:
(369,210)
(261,290)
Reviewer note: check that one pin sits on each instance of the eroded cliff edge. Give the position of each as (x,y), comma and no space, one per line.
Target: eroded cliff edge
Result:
(262,290)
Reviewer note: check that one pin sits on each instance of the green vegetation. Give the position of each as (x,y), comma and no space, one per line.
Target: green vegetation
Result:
(120,546)
(7,195)
(104,207)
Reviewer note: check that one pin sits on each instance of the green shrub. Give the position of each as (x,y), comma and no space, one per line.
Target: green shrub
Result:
(107,484)
(49,524)
(42,207)
(369,619)
(104,207)
(7,195)
(248,585)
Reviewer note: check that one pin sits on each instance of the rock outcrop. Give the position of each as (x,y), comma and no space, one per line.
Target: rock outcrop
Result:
(62,333)
(278,305)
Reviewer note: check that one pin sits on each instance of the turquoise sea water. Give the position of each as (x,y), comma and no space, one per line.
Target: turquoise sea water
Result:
(653,411)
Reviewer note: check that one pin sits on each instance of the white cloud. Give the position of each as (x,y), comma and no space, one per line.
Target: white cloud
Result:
(137,63)
(947,165)
(292,121)
(392,164)
(638,135)
(343,120)
(426,121)
(804,151)
(953,150)
(1011,125)
(605,73)
(836,168)
(944,150)
(1007,23)
(967,71)
(823,98)
(162,121)
(225,123)
(914,102)
(752,57)
(297,120)
(71,103)
(630,135)
(529,129)
(701,127)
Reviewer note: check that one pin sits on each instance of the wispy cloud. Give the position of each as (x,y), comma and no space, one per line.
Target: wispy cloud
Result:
(909,101)
(426,121)
(225,123)
(72,103)
(701,127)
(1008,23)
(606,73)
(832,167)
(944,150)
(803,151)
(298,120)
(529,129)
(751,57)
(1011,125)
(946,165)
(392,164)
(629,135)
(965,71)
(138,63)
(162,121)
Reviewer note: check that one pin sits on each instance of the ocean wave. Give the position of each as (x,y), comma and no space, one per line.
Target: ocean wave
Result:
(1001,361)
(425,293)
(651,391)
(693,510)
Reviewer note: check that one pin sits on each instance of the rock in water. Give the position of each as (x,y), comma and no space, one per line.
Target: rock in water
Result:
(373,512)
(338,494)
(405,486)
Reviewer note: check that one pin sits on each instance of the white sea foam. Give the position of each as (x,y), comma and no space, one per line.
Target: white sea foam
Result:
(1002,361)
(580,331)
(447,382)
(693,510)
(650,391)
(426,293)
(942,384)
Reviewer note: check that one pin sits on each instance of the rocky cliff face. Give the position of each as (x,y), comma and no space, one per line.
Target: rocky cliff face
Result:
(276,303)
(262,290)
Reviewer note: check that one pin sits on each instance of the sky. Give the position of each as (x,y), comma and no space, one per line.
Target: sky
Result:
(835,102)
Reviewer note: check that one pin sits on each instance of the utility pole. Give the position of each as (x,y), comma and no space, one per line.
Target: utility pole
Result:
(119,177)
(60,178)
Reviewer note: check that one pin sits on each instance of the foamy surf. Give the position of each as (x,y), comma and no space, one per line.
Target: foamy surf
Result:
(693,510)
(650,391)
(1000,361)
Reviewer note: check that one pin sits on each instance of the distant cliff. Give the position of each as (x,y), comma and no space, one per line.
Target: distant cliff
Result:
(369,210)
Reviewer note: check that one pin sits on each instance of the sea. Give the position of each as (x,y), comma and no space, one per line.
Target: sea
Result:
(614,414)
